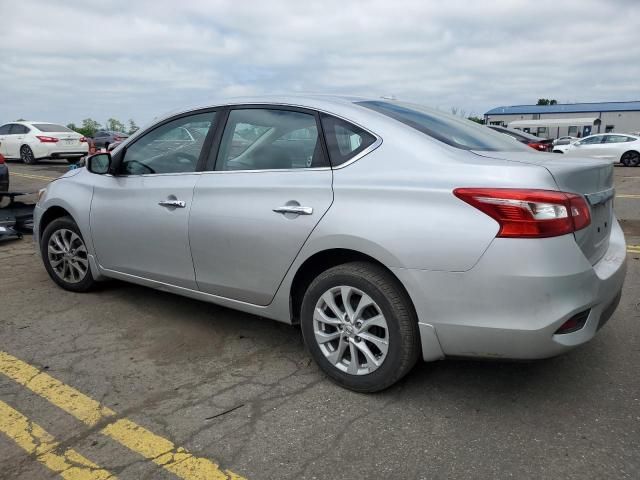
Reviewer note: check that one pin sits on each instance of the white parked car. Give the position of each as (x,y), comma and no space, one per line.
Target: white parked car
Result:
(562,144)
(33,141)
(614,147)
(565,140)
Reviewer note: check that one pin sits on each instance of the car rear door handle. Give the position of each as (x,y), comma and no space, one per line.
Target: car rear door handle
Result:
(173,203)
(297,209)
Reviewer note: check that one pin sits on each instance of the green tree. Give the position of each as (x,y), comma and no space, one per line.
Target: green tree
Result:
(89,127)
(132,126)
(72,126)
(115,125)
(547,101)
(479,120)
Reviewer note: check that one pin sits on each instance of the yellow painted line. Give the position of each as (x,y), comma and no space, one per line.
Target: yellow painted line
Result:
(622,195)
(34,440)
(29,175)
(138,439)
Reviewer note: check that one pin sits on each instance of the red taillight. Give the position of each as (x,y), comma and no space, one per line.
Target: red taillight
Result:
(45,139)
(82,139)
(1,159)
(543,147)
(524,213)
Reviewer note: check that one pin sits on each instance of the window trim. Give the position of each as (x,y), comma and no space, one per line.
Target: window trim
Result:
(206,146)
(212,160)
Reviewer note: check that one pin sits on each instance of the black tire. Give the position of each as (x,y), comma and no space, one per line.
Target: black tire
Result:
(630,159)
(394,304)
(87,282)
(558,151)
(27,156)
(106,146)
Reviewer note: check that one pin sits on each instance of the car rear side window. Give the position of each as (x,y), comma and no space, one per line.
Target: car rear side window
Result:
(454,131)
(17,129)
(51,127)
(344,140)
(270,139)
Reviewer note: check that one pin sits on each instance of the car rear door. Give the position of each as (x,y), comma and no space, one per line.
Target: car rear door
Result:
(268,185)
(4,133)
(140,216)
(614,146)
(13,141)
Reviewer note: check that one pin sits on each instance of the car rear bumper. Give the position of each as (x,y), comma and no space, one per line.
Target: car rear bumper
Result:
(511,304)
(43,150)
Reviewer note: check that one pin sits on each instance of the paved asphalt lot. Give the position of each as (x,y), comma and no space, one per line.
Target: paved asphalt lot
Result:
(242,397)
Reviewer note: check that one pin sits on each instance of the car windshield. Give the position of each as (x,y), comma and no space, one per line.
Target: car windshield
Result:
(452,130)
(51,127)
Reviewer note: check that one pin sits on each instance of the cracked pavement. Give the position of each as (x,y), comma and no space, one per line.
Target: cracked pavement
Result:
(241,391)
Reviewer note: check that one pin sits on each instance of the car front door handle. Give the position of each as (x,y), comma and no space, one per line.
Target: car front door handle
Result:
(173,203)
(296,209)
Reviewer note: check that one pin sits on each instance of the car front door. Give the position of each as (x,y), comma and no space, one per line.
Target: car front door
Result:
(268,185)
(588,147)
(140,215)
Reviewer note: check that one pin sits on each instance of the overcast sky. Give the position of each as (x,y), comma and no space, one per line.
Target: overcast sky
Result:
(63,61)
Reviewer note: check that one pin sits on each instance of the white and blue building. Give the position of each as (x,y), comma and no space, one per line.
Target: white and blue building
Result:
(575,119)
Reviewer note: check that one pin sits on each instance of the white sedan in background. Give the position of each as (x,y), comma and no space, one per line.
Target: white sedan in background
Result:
(33,141)
(614,147)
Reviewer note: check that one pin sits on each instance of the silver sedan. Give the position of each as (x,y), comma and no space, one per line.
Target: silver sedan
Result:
(388,231)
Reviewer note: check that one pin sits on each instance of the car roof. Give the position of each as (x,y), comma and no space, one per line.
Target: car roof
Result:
(322,102)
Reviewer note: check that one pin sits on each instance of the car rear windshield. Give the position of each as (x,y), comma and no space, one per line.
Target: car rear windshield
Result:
(455,131)
(51,127)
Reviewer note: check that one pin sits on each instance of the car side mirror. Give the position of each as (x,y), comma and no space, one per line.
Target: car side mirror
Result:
(100,163)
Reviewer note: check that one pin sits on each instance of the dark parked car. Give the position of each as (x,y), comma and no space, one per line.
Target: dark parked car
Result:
(4,175)
(104,138)
(537,143)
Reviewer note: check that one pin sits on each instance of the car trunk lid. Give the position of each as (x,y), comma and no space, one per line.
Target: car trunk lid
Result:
(589,177)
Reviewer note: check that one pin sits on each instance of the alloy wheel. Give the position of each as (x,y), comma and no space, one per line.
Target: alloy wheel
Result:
(27,155)
(633,159)
(351,330)
(67,255)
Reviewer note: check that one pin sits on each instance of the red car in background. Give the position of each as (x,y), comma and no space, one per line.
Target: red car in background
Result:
(4,175)
(537,143)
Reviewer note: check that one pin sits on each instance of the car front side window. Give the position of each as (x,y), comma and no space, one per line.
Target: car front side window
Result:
(173,147)
(270,139)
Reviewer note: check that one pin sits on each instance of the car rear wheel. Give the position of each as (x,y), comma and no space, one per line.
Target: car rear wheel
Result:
(65,255)
(360,327)
(630,159)
(27,156)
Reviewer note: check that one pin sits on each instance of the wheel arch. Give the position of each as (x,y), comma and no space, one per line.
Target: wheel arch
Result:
(49,215)
(323,260)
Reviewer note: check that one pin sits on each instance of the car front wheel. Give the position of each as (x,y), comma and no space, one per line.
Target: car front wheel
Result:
(65,255)
(360,327)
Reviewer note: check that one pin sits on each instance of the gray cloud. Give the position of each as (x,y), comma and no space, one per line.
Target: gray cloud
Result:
(64,61)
